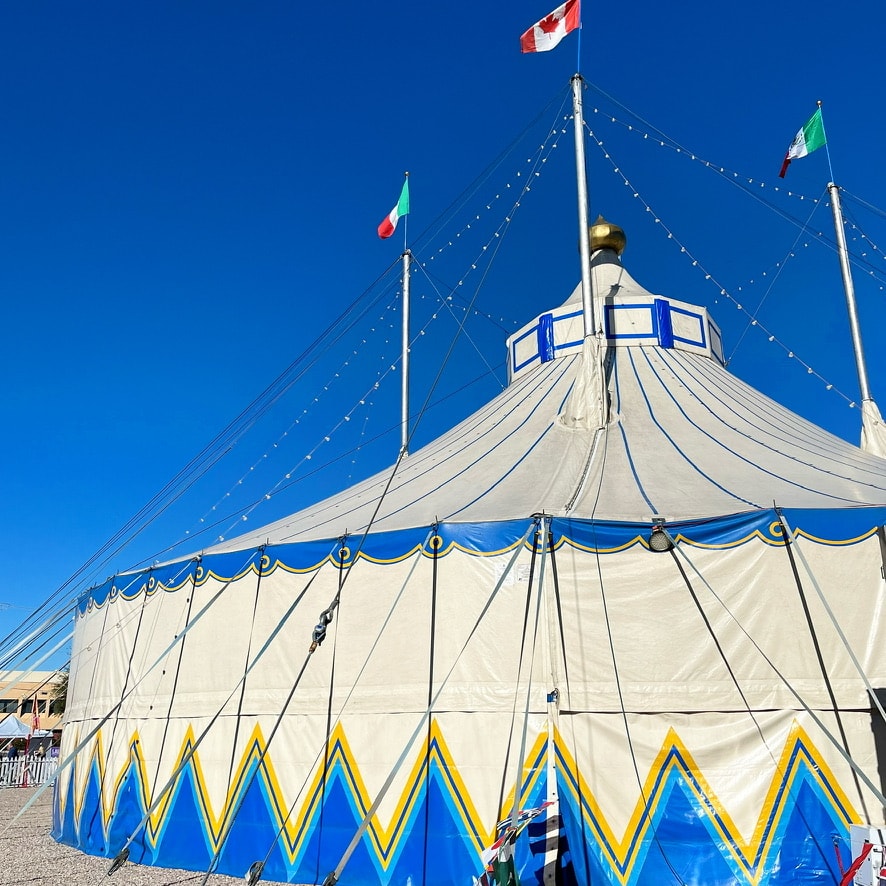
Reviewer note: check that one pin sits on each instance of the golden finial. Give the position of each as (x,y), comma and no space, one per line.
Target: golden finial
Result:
(605,235)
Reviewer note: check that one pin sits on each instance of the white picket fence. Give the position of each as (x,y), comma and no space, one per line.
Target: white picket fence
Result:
(26,771)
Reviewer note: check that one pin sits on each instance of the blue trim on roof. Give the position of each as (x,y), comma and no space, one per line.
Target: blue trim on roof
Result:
(663,323)
(552,384)
(829,526)
(776,421)
(701,326)
(546,337)
(609,321)
(422,465)
(627,447)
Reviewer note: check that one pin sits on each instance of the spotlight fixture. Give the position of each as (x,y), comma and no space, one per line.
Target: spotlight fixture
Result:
(659,540)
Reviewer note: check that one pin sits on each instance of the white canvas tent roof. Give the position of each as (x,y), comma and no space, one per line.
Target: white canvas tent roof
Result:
(688,441)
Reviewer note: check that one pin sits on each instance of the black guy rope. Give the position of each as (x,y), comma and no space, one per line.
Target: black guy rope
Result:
(188,755)
(735,682)
(342,550)
(788,542)
(333,876)
(435,548)
(69,760)
(227,812)
(189,602)
(256,869)
(504,770)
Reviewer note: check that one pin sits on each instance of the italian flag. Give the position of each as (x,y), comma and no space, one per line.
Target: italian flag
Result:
(810,137)
(389,225)
(547,33)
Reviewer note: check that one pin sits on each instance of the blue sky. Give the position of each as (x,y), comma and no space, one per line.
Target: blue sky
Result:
(190,191)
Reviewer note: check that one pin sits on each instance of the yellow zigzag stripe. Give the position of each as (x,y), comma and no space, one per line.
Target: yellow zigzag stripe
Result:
(750,855)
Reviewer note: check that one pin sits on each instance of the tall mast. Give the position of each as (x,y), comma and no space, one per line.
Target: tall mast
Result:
(404,420)
(594,390)
(587,294)
(849,289)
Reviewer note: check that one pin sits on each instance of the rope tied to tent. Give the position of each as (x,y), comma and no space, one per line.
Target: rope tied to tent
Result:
(256,869)
(788,685)
(334,875)
(816,646)
(188,756)
(318,635)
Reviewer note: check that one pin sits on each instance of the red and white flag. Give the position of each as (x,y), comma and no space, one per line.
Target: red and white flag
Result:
(547,33)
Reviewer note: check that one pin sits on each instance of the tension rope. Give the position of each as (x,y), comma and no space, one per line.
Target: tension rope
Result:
(254,873)
(189,605)
(504,770)
(333,876)
(226,815)
(123,855)
(317,637)
(819,655)
(432,632)
(138,626)
(624,712)
(789,686)
(827,607)
(341,580)
(541,530)
(722,653)
(69,760)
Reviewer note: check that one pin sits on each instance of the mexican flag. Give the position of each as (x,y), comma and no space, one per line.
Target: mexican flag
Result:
(810,137)
(389,225)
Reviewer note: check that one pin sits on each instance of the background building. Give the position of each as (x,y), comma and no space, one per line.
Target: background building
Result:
(21,690)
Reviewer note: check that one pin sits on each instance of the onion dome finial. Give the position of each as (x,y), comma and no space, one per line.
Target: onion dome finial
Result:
(605,235)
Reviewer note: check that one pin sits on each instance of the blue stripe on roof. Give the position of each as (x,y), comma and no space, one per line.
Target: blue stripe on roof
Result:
(731,451)
(800,431)
(673,443)
(627,447)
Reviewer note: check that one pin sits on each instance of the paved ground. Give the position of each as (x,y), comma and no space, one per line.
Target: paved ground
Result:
(28,855)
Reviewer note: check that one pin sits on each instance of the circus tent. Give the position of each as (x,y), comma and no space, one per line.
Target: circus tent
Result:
(630,603)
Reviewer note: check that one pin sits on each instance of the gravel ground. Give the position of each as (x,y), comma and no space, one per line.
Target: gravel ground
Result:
(28,855)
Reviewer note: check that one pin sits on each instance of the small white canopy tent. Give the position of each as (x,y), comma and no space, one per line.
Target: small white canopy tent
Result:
(12,726)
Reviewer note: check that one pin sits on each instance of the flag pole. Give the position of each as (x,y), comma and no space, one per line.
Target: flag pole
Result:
(405,220)
(827,147)
(404,395)
(846,272)
(404,421)
(849,290)
(578,50)
(587,296)
(592,308)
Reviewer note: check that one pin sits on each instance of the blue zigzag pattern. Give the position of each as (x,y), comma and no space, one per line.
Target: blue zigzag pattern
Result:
(679,833)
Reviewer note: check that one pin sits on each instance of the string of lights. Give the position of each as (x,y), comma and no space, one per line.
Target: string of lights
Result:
(537,163)
(695,263)
(744,182)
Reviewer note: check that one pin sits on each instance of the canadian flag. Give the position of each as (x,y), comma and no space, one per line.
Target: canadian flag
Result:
(547,33)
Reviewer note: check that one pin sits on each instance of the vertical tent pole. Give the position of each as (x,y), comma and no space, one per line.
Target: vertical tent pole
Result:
(849,289)
(587,295)
(404,421)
